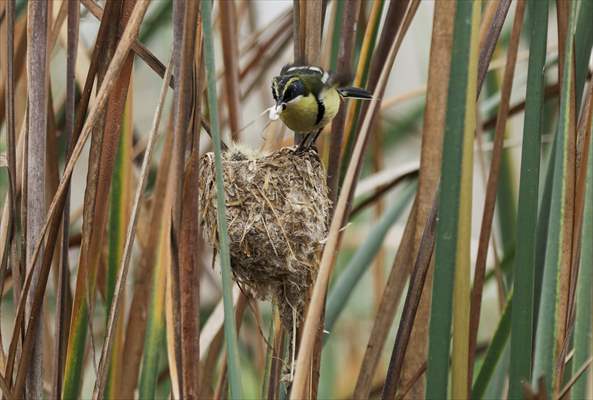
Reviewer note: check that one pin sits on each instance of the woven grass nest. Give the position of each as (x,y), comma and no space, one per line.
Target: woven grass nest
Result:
(277,211)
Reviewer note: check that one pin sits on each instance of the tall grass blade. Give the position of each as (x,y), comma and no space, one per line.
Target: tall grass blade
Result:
(543,218)
(496,169)
(583,50)
(522,318)
(451,257)
(119,210)
(583,47)
(169,330)
(225,259)
(429,175)
(268,361)
(494,352)
(584,300)
(461,288)
(551,318)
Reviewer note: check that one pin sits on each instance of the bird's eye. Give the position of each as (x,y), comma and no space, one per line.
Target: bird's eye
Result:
(295,89)
(289,93)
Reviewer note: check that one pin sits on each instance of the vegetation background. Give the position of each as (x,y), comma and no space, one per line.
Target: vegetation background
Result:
(459,261)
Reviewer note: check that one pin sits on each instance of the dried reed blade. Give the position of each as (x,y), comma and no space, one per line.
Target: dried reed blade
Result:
(104,144)
(582,369)
(417,286)
(37,82)
(185,16)
(190,242)
(123,270)
(343,68)
(495,15)
(139,308)
(64,295)
(429,176)
(9,252)
(362,68)
(230,55)
(146,55)
(584,300)
(155,330)
(119,211)
(19,46)
(57,202)
(567,268)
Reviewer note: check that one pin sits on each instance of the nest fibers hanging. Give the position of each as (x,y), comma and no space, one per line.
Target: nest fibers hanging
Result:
(277,211)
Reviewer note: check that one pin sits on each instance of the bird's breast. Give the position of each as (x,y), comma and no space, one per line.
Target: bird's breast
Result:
(306,115)
(300,115)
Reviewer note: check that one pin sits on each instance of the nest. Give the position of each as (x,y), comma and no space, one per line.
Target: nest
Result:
(277,211)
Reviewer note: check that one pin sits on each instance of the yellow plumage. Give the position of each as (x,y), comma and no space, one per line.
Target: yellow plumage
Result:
(300,114)
(307,98)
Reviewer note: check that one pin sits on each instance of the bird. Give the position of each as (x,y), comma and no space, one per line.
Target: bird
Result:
(308,97)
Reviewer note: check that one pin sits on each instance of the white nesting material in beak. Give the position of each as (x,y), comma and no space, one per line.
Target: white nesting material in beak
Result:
(274,112)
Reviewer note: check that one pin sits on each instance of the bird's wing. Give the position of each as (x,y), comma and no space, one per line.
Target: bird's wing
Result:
(312,82)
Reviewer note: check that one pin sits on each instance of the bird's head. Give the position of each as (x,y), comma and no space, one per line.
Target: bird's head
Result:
(287,89)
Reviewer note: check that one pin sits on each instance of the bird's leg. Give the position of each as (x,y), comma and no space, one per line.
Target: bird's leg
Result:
(303,145)
(312,141)
(308,141)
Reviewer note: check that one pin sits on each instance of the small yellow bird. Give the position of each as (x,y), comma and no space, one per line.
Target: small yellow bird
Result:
(307,98)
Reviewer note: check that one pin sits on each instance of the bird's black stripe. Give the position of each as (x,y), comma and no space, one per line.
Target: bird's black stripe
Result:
(320,110)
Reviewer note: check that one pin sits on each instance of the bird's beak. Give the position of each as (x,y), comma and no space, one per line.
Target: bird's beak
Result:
(276,110)
(280,107)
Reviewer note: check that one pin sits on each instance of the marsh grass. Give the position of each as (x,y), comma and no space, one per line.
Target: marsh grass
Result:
(110,289)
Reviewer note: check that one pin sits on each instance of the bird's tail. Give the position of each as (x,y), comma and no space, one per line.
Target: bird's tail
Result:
(355,93)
